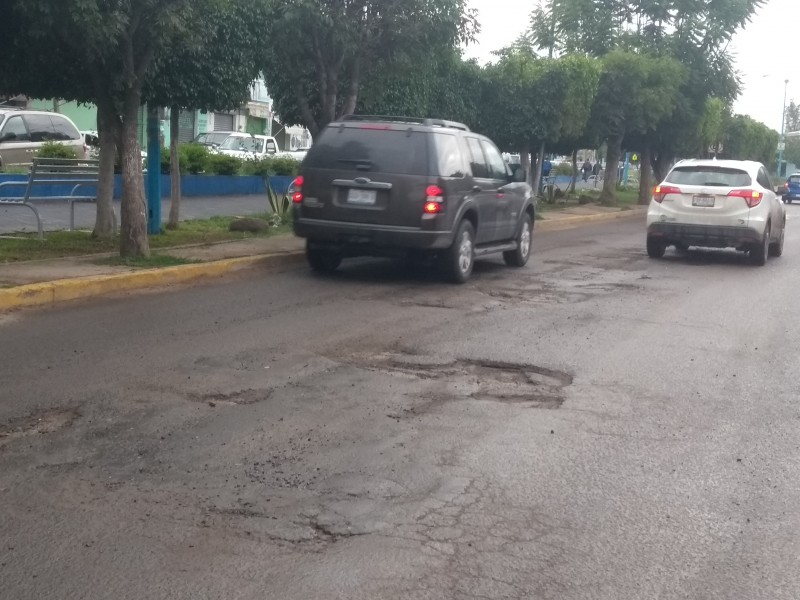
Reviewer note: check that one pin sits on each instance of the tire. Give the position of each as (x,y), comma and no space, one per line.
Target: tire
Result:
(459,259)
(519,257)
(656,247)
(776,248)
(322,260)
(760,253)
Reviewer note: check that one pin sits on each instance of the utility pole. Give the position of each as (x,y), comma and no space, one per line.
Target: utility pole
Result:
(783,130)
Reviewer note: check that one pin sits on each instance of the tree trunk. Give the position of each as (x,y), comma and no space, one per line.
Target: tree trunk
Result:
(133,221)
(660,163)
(645,175)
(108,130)
(174,169)
(571,189)
(525,165)
(537,176)
(608,196)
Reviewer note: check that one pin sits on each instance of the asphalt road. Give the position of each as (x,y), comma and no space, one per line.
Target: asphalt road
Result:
(596,425)
(55,214)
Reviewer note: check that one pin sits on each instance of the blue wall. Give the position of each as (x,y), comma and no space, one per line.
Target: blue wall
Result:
(191,186)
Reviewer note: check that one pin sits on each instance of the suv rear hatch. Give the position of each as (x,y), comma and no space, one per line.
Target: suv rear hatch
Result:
(369,173)
(706,195)
(793,185)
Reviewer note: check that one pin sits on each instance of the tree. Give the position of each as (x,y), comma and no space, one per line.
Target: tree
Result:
(745,138)
(635,93)
(322,51)
(793,117)
(208,65)
(113,45)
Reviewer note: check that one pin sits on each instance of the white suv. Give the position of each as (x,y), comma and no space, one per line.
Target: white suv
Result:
(717,204)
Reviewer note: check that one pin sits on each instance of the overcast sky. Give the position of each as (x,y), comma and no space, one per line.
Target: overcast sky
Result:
(767,51)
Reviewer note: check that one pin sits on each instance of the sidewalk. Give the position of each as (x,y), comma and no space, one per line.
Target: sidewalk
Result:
(40,282)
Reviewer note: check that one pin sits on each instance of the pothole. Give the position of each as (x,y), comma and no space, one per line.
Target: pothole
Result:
(483,380)
(44,421)
(249,396)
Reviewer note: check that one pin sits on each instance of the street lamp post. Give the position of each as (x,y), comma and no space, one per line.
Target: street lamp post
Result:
(783,130)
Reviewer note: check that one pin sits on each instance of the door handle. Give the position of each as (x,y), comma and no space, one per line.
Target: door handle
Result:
(476,188)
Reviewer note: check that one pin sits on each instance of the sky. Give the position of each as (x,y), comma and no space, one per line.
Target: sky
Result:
(767,51)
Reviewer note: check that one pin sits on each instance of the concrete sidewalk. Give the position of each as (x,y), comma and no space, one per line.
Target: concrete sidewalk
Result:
(45,281)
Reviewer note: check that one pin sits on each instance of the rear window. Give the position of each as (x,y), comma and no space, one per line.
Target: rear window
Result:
(398,151)
(794,179)
(709,176)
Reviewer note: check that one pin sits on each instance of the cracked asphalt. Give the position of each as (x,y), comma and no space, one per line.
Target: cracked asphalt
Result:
(597,425)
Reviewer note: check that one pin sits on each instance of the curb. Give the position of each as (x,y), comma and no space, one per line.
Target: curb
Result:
(566,223)
(60,290)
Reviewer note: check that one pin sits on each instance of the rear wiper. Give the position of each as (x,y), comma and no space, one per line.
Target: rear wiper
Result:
(715,184)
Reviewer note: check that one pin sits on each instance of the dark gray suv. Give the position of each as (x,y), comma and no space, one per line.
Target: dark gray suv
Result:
(388,186)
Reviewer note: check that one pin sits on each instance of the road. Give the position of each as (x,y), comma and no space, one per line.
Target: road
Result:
(596,425)
(55,214)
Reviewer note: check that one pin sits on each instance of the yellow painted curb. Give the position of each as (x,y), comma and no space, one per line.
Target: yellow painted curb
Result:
(557,224)
(37,294)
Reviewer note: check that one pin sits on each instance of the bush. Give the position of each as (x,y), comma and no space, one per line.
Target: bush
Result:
(562,169)
(222,164)
(195,158)
(273,165)
(56,150)
(259,167)
(284,165)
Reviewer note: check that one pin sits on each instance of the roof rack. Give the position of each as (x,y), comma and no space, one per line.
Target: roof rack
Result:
(409,120)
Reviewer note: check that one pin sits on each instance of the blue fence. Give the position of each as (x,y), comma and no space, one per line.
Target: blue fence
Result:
(191,186)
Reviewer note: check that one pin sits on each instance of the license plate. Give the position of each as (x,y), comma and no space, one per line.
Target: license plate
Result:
(703,201)
(361,197)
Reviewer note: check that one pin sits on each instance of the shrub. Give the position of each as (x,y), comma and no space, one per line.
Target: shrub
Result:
(195,158)
(562,169)
(56,150)
(284,165)
(259,167)
(272,165)
(222,164)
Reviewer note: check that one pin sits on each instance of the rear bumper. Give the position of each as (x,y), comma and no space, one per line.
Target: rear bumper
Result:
(359,238)
(711,236)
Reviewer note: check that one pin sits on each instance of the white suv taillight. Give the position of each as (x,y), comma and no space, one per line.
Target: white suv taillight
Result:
(752,197)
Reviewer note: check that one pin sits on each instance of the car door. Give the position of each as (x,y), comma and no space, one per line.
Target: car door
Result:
(484,191)
(15,142)
(508,203)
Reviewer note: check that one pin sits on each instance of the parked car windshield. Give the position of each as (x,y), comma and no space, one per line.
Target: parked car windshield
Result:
(709,176)
(401,151)
(243,144)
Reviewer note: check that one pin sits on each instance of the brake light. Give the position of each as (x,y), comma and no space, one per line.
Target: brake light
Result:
(434,197)
(752,197)
(786,185)
(296,189)
(661,191)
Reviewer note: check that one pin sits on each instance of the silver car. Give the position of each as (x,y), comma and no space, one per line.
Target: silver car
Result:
(24,132)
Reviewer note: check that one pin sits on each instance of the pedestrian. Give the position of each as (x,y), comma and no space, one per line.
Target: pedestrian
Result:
(586,169)
(547,166)
(596,169)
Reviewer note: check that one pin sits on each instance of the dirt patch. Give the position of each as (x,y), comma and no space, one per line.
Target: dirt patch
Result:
(482,380)
(39,422)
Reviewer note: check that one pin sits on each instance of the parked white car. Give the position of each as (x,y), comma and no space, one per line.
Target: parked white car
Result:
(248,146)
(717,204)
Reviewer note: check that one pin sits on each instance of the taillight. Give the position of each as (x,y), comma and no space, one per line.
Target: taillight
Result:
(296,189)
(752,197)
(786,185)
(434,197)
(661,191)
